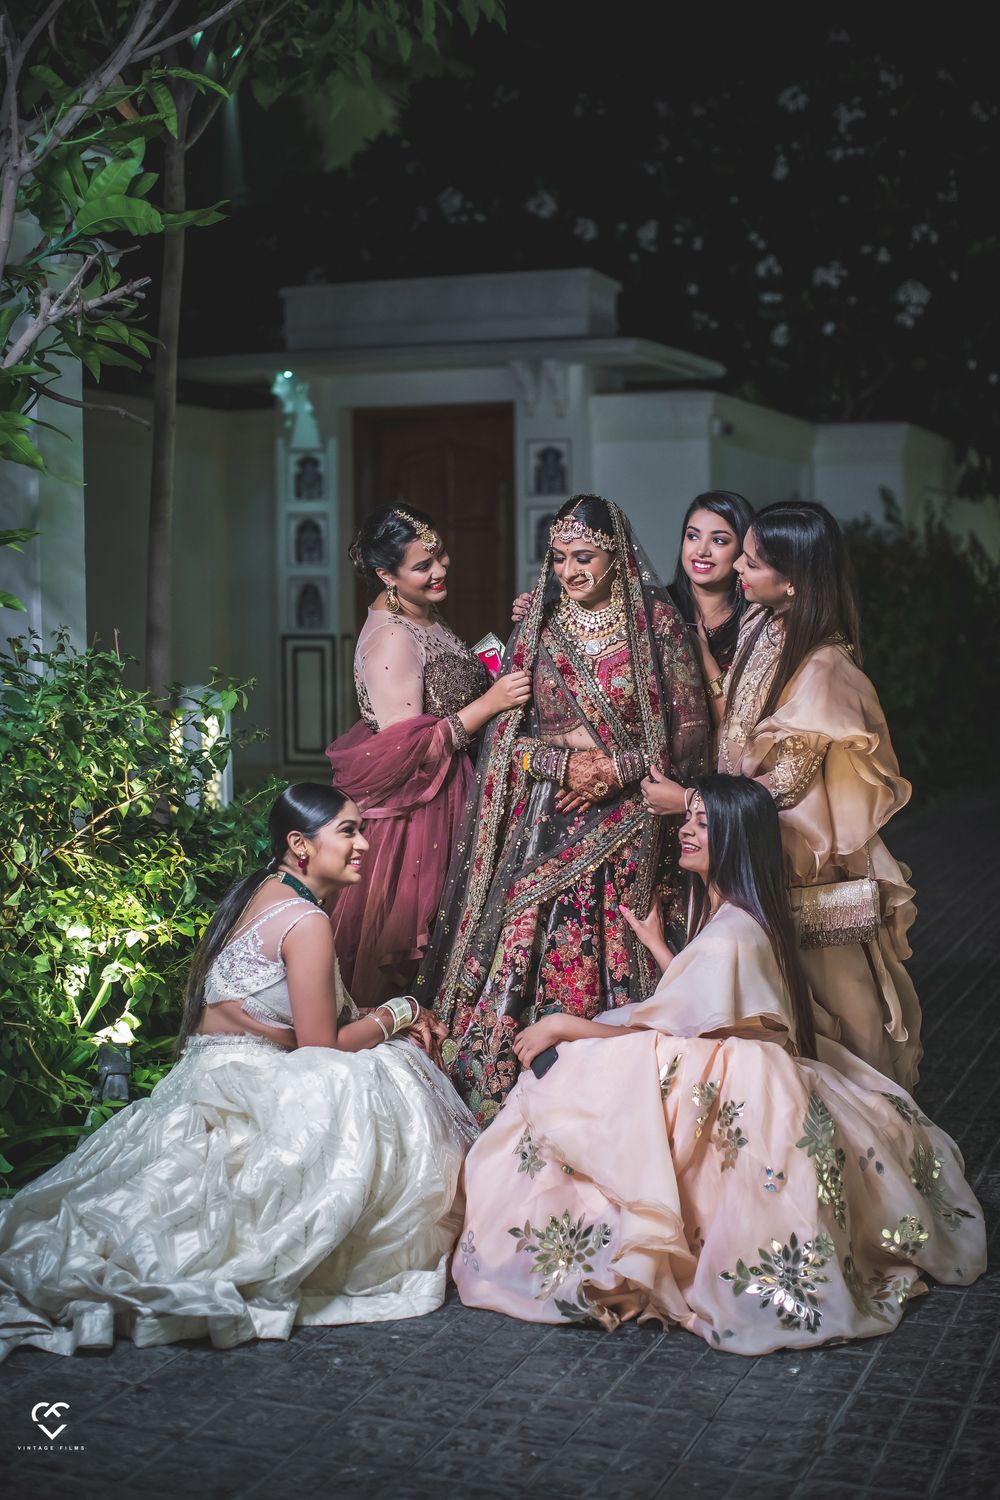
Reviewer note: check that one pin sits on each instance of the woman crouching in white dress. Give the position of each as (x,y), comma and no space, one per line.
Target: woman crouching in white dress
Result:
(298,1165)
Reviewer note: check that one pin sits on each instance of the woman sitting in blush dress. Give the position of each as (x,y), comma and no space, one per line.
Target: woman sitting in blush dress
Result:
(691,1159)
(423,697)
(297,1165)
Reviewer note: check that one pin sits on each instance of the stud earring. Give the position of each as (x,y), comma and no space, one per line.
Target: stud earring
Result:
(392,598)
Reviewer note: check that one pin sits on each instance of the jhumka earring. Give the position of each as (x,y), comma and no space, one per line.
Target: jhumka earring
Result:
(392,598)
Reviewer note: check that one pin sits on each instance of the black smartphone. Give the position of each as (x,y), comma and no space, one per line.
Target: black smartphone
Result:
(544,1061)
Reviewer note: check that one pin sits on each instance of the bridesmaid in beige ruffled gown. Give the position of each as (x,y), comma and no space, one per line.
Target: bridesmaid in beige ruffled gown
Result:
(800,716)
(707,1169)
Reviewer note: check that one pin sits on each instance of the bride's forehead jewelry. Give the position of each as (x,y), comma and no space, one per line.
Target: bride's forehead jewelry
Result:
(569,529)
(427,538)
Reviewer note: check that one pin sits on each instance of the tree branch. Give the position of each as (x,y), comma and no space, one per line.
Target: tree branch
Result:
(51,312)
(182,36)
(51,394)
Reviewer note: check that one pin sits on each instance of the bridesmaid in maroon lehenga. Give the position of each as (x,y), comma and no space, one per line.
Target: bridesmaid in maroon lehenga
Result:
(423,697)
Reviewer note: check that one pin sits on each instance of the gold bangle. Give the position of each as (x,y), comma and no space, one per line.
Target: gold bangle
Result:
(714,688)
(404,1011)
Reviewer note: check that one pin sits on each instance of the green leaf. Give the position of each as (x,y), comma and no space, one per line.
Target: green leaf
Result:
(166,105)
(108,211)
(11,601)
(200,79)
(19,449)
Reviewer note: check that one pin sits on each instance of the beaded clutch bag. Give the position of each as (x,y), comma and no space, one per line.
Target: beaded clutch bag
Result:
(846,911)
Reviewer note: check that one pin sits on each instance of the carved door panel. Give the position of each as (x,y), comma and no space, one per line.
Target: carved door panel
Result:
(457,464)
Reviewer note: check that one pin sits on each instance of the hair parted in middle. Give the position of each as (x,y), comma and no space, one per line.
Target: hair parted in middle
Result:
(585,518)
(746,866)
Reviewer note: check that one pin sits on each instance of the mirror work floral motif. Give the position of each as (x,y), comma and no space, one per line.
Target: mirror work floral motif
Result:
(787,1279)
(817,1141)
(562,1249)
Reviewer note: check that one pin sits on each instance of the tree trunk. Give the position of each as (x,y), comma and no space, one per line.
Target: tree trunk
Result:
(159,556)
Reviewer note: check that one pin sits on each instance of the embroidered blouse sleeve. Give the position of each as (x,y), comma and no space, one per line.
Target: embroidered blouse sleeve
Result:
(687,708)
(393,674)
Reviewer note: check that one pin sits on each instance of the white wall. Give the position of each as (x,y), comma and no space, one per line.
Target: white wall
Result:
(223,575)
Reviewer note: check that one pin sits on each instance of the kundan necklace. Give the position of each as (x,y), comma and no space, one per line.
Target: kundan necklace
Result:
(299,888)
(595,629)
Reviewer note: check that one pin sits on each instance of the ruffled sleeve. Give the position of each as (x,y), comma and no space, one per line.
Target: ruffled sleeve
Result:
(726,980)
(827,759)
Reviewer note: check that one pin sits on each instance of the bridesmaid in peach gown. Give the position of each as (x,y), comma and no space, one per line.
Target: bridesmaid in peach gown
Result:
(800,716)
(777,1199)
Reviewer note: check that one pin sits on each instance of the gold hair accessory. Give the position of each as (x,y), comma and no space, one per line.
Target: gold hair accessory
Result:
(427,538)
(569,529)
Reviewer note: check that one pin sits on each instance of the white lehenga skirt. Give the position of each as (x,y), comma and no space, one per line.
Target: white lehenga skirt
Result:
(253,1190)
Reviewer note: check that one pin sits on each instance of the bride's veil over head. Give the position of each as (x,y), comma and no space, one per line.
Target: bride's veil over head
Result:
(471,910)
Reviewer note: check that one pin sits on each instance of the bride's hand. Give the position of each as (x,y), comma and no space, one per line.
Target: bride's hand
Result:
(591,774)
(427,1033)
(535,1039)
(519,608)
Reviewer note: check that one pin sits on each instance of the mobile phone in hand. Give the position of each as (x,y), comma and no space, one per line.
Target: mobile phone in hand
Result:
(544,1061)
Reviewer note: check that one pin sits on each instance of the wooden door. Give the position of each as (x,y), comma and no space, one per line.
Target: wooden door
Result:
(457,464)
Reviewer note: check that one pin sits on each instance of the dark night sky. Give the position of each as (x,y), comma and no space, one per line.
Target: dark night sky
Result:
(815,204)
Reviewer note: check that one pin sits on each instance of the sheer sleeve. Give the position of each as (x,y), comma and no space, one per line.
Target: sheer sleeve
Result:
(392,672)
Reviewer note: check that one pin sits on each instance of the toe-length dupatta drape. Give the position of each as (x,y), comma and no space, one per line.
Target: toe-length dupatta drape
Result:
(530,918)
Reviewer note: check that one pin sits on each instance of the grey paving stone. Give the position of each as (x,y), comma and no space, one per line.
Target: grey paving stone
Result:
(471,1403)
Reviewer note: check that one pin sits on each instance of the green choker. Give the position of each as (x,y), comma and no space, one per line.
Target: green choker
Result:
(299,888)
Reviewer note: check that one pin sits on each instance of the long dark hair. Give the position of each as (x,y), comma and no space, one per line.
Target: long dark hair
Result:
(305,807)
(737,512)
(383,540)
(802,541)
(746,867)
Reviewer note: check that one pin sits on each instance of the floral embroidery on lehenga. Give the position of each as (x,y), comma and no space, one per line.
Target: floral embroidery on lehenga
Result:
(467,1249)
(562,1249)
(666,1082)
(729,1139)
(925,1174)
(828,1159)
(905,1110)
(907,1238)
(787,1277)
(528,1156)
(869,1294)
(703,1096)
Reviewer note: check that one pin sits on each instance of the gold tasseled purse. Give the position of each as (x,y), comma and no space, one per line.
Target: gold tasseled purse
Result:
(844,911)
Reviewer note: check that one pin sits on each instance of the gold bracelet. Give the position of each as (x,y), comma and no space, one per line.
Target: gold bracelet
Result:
(714,688)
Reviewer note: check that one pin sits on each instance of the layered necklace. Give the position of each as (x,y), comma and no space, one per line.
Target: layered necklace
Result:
(299,888)
(595,629)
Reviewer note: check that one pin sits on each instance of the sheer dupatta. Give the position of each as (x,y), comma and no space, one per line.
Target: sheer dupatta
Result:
(511,855)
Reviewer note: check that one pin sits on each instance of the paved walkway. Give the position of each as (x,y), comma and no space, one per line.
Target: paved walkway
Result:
(477,1405)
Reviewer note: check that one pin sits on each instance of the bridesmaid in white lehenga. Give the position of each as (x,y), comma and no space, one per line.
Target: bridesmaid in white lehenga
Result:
(297,1166)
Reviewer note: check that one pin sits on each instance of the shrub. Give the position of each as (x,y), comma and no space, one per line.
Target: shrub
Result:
(113,849)
(930,615)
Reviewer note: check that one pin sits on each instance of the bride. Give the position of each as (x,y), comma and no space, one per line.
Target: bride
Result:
(299,1164)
